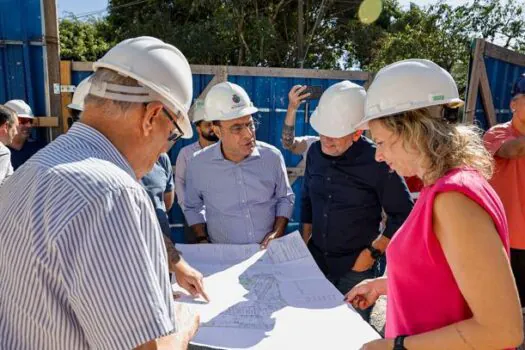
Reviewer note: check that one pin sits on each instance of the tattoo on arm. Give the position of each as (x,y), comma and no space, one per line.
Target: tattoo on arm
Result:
(288,135)
(172,252)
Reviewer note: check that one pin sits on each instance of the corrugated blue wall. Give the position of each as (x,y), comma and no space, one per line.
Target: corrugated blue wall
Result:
(270,95)
(502,76)
(22,62)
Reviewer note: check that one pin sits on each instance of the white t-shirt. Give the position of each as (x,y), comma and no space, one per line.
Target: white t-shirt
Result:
(6,169)
(309,141)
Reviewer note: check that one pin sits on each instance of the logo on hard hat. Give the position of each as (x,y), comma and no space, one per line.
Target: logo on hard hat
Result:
(236,98)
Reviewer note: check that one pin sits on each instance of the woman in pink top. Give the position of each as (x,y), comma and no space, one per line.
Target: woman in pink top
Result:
(449,281)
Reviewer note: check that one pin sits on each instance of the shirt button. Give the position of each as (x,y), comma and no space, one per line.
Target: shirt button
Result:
(324,235)
(325,215)
(243,201)
(247,215)
(333,162)
(239,182)
(329,196)
(325,253)
(328,179)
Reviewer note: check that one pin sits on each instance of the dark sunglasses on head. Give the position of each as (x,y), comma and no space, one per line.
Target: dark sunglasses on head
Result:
(25,121)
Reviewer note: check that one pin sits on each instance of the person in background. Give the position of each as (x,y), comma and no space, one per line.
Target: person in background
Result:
(8,130)
(237,191)
(344,191)
(89,247)
(206,138)
(506,142)
(301,144)
(76,107)
(449,282)
(160,187)
(23,147)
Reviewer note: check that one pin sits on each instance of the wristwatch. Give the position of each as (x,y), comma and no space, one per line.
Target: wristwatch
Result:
(399,342)
(376,253)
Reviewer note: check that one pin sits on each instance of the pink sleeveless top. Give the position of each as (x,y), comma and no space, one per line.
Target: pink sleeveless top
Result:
(422,292)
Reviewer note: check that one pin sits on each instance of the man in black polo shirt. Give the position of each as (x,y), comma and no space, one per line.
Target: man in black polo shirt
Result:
(345,191)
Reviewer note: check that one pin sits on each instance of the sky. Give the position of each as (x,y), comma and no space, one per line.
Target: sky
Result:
(82,7)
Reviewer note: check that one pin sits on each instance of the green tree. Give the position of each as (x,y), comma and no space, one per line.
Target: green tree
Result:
(84,40)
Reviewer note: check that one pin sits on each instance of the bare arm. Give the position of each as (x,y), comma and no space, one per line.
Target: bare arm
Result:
(512,149)
(169,198)
(171,252)
(307,232)
(187,323)
(487,284)
(288,135)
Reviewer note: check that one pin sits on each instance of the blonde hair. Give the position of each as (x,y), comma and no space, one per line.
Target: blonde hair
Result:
(443,145)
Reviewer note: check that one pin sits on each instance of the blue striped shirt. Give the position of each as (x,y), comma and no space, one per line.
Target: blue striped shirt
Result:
(82,260)
(238,202)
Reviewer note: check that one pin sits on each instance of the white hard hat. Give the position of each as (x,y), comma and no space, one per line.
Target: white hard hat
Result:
(227,101)
(198,111)
(80,94)
(340,109)
(161,69)
(21,108)
(409,85)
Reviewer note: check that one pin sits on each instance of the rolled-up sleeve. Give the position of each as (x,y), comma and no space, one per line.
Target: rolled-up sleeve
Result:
(193,200)
(395,199)
(115,271)
(180,177)
(283,191)
(306,202)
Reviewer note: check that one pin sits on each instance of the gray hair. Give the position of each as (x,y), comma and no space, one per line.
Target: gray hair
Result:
(7,115)
(104,75)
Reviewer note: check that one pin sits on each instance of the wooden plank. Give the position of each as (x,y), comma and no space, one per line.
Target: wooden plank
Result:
(66,97)
(473,84)
(46,122)
(218,78)
(52,57)
(82,66)
(283,72)
(260,71)
(504,54)
(486,96)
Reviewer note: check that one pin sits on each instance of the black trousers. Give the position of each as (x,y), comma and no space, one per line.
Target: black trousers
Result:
(517,261)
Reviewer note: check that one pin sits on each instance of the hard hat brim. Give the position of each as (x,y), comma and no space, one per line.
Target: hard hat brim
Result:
(363,125)
(75,107)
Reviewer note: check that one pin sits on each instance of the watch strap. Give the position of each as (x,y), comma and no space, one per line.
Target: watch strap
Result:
(399,342)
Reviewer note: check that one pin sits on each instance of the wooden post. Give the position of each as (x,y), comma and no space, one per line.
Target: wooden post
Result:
(486,95)
(52,57)
(219,77)
(473,85)
(66,97)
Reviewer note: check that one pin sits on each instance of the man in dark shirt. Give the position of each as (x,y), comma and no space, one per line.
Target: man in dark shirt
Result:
(344,193)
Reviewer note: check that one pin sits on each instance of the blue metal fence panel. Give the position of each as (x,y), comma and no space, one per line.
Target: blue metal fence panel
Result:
(22,64)
(501,76)
(270,95)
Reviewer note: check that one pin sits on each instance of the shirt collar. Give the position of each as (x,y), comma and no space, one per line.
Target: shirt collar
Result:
(217,152)
(89,135)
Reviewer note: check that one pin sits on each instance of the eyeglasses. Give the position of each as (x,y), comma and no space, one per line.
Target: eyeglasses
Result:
(175,133)
(251,125)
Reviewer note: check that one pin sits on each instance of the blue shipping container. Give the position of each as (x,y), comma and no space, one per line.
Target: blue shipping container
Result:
(22,63)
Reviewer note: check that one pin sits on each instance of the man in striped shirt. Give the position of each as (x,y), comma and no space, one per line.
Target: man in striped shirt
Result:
(82,260)
(237,190)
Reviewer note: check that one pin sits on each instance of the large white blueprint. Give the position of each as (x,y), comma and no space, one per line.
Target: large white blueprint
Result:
(270,299)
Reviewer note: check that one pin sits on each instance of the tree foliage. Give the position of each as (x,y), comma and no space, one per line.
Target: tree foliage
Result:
(84,40)
(269,32)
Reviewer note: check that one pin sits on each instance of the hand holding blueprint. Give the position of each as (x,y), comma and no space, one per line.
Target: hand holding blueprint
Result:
(270,299)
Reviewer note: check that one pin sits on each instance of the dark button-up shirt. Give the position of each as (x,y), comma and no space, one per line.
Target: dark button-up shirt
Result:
(342,198)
